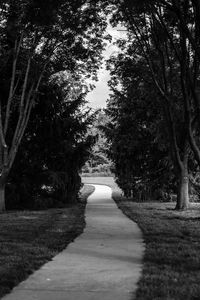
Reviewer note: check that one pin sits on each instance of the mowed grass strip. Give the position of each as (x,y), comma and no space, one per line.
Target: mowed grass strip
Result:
(109,180)
(172,257)
(28,239)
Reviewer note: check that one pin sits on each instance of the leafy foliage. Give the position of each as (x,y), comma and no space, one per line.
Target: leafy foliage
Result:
(137,132)
(55,147)
(164,37)
(48,51)
(98,161)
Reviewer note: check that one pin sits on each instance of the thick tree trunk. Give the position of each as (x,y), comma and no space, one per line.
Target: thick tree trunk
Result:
(183,190)
(2,197)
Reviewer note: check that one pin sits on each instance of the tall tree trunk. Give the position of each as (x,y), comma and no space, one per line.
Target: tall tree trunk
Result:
(183,188)
(3,180)
(2,196)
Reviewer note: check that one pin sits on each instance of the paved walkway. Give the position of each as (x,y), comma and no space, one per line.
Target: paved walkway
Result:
(103,263)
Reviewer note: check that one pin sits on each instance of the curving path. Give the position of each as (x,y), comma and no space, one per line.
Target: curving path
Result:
(103,263)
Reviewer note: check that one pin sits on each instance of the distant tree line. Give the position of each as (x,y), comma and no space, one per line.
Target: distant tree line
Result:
(155,102)
(98,162)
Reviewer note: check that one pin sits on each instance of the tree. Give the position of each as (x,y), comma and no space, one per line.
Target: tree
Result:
(162,39)
(137,131)
(98,161)
(39,39)
(52,152)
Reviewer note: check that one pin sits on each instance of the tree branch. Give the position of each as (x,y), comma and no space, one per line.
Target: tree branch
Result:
(12,84)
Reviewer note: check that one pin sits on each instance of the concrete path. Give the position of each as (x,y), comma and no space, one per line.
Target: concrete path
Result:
(104,263)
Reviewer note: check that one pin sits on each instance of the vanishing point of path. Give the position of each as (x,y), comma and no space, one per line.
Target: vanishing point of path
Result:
(103,263)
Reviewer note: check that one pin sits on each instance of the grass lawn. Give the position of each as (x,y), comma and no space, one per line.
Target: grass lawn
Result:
(99,180)
(28,239)
(172,257)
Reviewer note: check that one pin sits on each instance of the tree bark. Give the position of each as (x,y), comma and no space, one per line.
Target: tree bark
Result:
(3,180)
(183,190)
(2,197)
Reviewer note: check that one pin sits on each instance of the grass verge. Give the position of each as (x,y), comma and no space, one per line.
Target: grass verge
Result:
(172,256)
(99,180)
(28,239)
(171,262)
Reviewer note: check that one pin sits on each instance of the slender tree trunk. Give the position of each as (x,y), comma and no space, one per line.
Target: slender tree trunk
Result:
(3,180)
(2,196)
(183,189)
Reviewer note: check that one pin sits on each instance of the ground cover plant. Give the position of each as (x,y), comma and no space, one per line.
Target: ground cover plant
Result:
(28,239)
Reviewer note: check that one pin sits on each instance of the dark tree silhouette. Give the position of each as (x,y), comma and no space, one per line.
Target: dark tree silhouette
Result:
(39,39)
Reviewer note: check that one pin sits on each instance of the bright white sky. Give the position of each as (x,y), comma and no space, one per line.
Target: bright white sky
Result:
(97,98)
